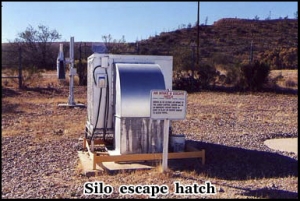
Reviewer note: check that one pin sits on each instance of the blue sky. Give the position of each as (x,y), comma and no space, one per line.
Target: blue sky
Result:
(89,21)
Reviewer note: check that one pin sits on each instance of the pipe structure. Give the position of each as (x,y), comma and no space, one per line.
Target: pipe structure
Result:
(71,74)
(71,102)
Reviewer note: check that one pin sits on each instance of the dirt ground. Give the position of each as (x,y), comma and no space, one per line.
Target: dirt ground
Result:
(40,144)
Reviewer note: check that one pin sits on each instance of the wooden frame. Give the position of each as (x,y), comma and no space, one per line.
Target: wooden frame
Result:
(100,157)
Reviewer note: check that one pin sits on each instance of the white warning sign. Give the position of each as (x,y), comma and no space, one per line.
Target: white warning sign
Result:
(166,104)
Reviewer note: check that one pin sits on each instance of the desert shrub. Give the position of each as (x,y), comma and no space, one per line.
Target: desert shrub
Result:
(182,58)
(280,58)
(207,76)
(81,71)
(30,75)
(233,75)
(219,58)
(253,76)
(290,83)
(183,80)
(273,82)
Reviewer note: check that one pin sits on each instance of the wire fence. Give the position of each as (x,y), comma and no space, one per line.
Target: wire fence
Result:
(9,61)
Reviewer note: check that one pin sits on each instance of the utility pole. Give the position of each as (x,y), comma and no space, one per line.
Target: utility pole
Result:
(198,33)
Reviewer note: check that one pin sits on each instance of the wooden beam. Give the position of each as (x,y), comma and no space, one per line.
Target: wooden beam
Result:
(84,143)
(191,152)
(153,156)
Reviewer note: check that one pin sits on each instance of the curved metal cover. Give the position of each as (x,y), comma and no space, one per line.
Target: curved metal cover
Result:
(133,85)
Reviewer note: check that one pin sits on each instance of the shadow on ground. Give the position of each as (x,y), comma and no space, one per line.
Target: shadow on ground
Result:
(7,92)
(10,108)
(232,163)
(44,90)
(275,90)
(269,193)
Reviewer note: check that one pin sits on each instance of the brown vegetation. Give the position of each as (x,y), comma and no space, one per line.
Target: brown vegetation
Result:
(225,43)
(228,42)
(40,143)
(40,140)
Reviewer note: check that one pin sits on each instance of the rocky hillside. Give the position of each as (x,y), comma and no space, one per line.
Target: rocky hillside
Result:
(229,40)
(226,42)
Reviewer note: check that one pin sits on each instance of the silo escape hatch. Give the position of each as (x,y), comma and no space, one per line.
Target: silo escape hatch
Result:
(119,126)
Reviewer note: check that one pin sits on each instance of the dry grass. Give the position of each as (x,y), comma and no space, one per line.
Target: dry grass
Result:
(35,112)
(289,78)
(42,102)
(48,79)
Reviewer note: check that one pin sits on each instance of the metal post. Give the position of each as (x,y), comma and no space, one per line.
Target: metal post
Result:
(20,67)
(165,145)
(198,33)
(71,102)
(71,74)
(80,70)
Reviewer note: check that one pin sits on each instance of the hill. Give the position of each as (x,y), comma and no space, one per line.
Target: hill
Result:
(225,43)
(229,41)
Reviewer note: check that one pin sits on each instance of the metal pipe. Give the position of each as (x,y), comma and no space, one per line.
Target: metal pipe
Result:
(71,74)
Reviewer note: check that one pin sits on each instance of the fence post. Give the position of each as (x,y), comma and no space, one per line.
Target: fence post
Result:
(20,68)
(80,70)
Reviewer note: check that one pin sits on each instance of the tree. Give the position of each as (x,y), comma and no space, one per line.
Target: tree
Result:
(37,47)
(115,46)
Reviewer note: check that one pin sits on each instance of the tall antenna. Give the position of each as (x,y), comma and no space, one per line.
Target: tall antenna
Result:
(71,102)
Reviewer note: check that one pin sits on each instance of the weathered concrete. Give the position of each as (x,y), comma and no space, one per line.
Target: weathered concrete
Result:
(283,144)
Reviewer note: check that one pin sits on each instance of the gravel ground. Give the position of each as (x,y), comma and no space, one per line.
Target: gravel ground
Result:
(38,162)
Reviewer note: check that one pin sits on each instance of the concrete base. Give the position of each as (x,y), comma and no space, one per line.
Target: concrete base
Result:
(284,144)
(111,166)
